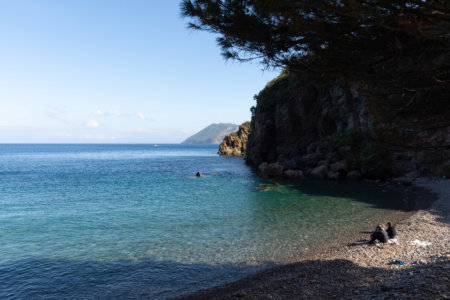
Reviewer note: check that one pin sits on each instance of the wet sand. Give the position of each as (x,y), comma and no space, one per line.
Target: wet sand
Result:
(352,269)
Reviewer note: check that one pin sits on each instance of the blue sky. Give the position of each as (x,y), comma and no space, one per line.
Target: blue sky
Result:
(114,72)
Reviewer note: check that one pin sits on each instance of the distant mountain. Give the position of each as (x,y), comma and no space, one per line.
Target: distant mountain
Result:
(213,134)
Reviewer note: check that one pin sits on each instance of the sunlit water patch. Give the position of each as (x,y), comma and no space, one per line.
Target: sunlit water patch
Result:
(131,221)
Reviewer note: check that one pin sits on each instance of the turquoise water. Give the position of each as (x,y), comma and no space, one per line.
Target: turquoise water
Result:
(133,221)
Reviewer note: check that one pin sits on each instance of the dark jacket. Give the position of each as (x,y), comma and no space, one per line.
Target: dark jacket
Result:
(391,232)
(383,236)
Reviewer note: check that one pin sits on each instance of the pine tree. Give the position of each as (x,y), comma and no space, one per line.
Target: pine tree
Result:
(403,46)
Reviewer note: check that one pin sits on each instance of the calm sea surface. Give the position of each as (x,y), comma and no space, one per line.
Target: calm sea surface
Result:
(133,221)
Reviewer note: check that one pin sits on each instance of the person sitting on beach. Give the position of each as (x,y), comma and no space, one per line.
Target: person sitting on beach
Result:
(379,235)
(392,234)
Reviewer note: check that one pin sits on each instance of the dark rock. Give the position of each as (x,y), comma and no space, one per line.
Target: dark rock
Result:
(402,181)
(311,160)
(353,175)
(333,175)
(312,148)
(339,166)
(294,174)
(273,169)
(319,172)
(323,162)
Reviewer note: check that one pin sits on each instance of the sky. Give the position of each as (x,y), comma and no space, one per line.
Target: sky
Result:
(109,71)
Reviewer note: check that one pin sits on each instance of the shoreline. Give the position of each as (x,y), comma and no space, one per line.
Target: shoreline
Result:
(353,269)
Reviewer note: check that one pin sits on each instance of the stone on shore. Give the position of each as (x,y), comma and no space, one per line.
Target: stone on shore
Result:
(340,166)
(354,175)
(319,172)
(333,175)
(298,174)
(273,169)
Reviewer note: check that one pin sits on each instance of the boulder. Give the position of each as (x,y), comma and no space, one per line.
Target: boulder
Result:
(294,174)
(319,172)
(407,179)
(333,174)
(324,162)
(402,180)
(339,166)
(311,159)
(273,169)
(353,175)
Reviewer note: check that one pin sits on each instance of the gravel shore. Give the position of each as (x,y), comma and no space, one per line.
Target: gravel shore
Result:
(356,270)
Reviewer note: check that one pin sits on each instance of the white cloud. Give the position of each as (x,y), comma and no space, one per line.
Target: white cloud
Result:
(111,112)
(116,112)
(119,113)
(91,124)
(141,116)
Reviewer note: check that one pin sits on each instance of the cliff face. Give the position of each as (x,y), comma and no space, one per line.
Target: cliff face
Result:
(302,127)
(235,144)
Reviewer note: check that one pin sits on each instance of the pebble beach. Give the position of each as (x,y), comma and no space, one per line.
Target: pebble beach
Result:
(417,268)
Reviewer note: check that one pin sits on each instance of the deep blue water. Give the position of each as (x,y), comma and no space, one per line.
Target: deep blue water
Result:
(133,221)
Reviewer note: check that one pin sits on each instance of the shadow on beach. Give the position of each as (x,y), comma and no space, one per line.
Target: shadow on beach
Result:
(336,278)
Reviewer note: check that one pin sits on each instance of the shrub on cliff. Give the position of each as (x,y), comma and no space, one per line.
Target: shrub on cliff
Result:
(361,153)
(276,91)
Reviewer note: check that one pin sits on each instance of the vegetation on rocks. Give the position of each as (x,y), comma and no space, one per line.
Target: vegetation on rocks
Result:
(235,143)
(360,153)
(276,91)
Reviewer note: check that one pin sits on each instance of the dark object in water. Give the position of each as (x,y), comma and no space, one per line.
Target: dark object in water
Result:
(199,174)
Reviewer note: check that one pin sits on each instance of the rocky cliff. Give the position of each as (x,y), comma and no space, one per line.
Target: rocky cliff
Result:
(235,144)
(304,127)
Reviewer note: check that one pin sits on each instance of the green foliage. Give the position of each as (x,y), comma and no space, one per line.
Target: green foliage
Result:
(275,92)
(402,45)
(361,153)
(245,126)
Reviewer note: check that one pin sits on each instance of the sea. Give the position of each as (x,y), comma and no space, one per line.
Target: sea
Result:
(88,221)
